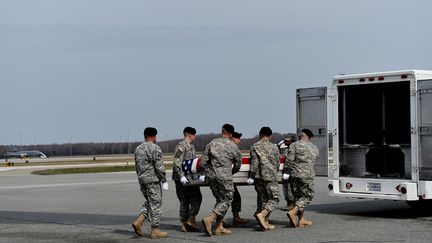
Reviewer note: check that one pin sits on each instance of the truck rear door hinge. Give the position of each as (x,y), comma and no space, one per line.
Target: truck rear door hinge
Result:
(413,130)
(332,97)
(332,131)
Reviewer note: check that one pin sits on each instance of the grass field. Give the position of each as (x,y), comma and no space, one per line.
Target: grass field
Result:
(102,169)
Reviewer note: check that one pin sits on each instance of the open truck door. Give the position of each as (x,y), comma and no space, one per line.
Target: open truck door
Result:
(425,129)
(312,114)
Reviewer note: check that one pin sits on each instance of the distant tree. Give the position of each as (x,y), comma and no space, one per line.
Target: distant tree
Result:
(168,146)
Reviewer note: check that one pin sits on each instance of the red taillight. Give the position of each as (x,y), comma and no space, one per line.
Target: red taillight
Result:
(380,78)
(348,185)
(361,80)
(371,79)
(341,81)
(404,76)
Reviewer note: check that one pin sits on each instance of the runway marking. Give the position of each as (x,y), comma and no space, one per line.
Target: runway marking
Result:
(67,184)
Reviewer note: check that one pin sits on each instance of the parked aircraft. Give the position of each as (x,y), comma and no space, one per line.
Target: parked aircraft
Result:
(24,154)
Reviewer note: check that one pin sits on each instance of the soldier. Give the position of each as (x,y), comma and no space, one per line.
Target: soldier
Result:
(300,162)
(219,156)
(265,164)
(236,203)
(150,169)
(190,197)
(286,182)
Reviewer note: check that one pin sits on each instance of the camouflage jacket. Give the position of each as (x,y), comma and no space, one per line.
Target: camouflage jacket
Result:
(149,164)
(264,157)
(183,151)
(301,159)
(221,159)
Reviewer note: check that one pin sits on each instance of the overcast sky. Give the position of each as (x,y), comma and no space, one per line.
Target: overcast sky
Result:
(102,70)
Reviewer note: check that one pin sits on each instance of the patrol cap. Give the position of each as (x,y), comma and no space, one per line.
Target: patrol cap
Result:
(150,132)
(290,138)
(189,130)
(308,132)
(228,128)
(266,131)
(237,135)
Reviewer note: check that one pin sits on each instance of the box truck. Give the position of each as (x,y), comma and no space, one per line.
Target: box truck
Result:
(374,132)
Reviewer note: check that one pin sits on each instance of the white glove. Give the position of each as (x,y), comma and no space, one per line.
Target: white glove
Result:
(285,176)
(250,181)
(183,180)
(165,186)
(201,178)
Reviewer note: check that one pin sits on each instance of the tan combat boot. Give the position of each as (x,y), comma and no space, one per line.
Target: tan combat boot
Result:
(293,216)
(183,227)
(137,225)
(191,224)
(208,221)
(271,227)
(220,230)
(157,234)
(257,211)
(261,219)
(302,221)
(237,221)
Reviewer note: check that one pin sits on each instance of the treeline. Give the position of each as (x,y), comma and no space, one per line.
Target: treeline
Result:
(77,149)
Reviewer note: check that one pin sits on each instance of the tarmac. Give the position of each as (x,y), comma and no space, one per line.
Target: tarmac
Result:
(100,208)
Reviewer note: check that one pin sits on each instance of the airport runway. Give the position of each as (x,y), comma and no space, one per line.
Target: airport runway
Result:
(100,208)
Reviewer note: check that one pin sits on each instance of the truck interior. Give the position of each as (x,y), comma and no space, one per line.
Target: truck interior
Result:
(374,130)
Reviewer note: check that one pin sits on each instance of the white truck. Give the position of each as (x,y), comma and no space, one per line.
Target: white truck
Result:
(380,134)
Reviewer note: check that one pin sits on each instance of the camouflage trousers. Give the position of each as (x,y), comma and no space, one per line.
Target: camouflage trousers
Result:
(303,191)
(190,199)
(267,194)
(236,203)
(223,192)
(152,207)
(288,191)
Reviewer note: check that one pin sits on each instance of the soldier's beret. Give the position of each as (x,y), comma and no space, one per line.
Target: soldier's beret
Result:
(266,131)
(228,128)
(308,132)
(189,130)
(237,135)
(150,132)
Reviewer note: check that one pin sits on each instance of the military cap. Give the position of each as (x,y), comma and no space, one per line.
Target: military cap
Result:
(237,135)
(150,132)
(228,128)
(307,132)
(290,138)
(189,130)
(266,131)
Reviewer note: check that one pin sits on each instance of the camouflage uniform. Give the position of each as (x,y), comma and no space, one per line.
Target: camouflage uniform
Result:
(151,173)
(300,162)
(190,197)
(265,164)
(219,157)
(287,186)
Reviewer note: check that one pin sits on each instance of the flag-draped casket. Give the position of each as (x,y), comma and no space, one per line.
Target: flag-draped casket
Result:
(193,166)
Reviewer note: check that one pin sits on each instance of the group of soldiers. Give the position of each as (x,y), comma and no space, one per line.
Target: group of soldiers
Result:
(220,160)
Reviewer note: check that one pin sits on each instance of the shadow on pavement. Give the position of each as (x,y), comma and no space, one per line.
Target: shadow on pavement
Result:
(377,209)
(15,217)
